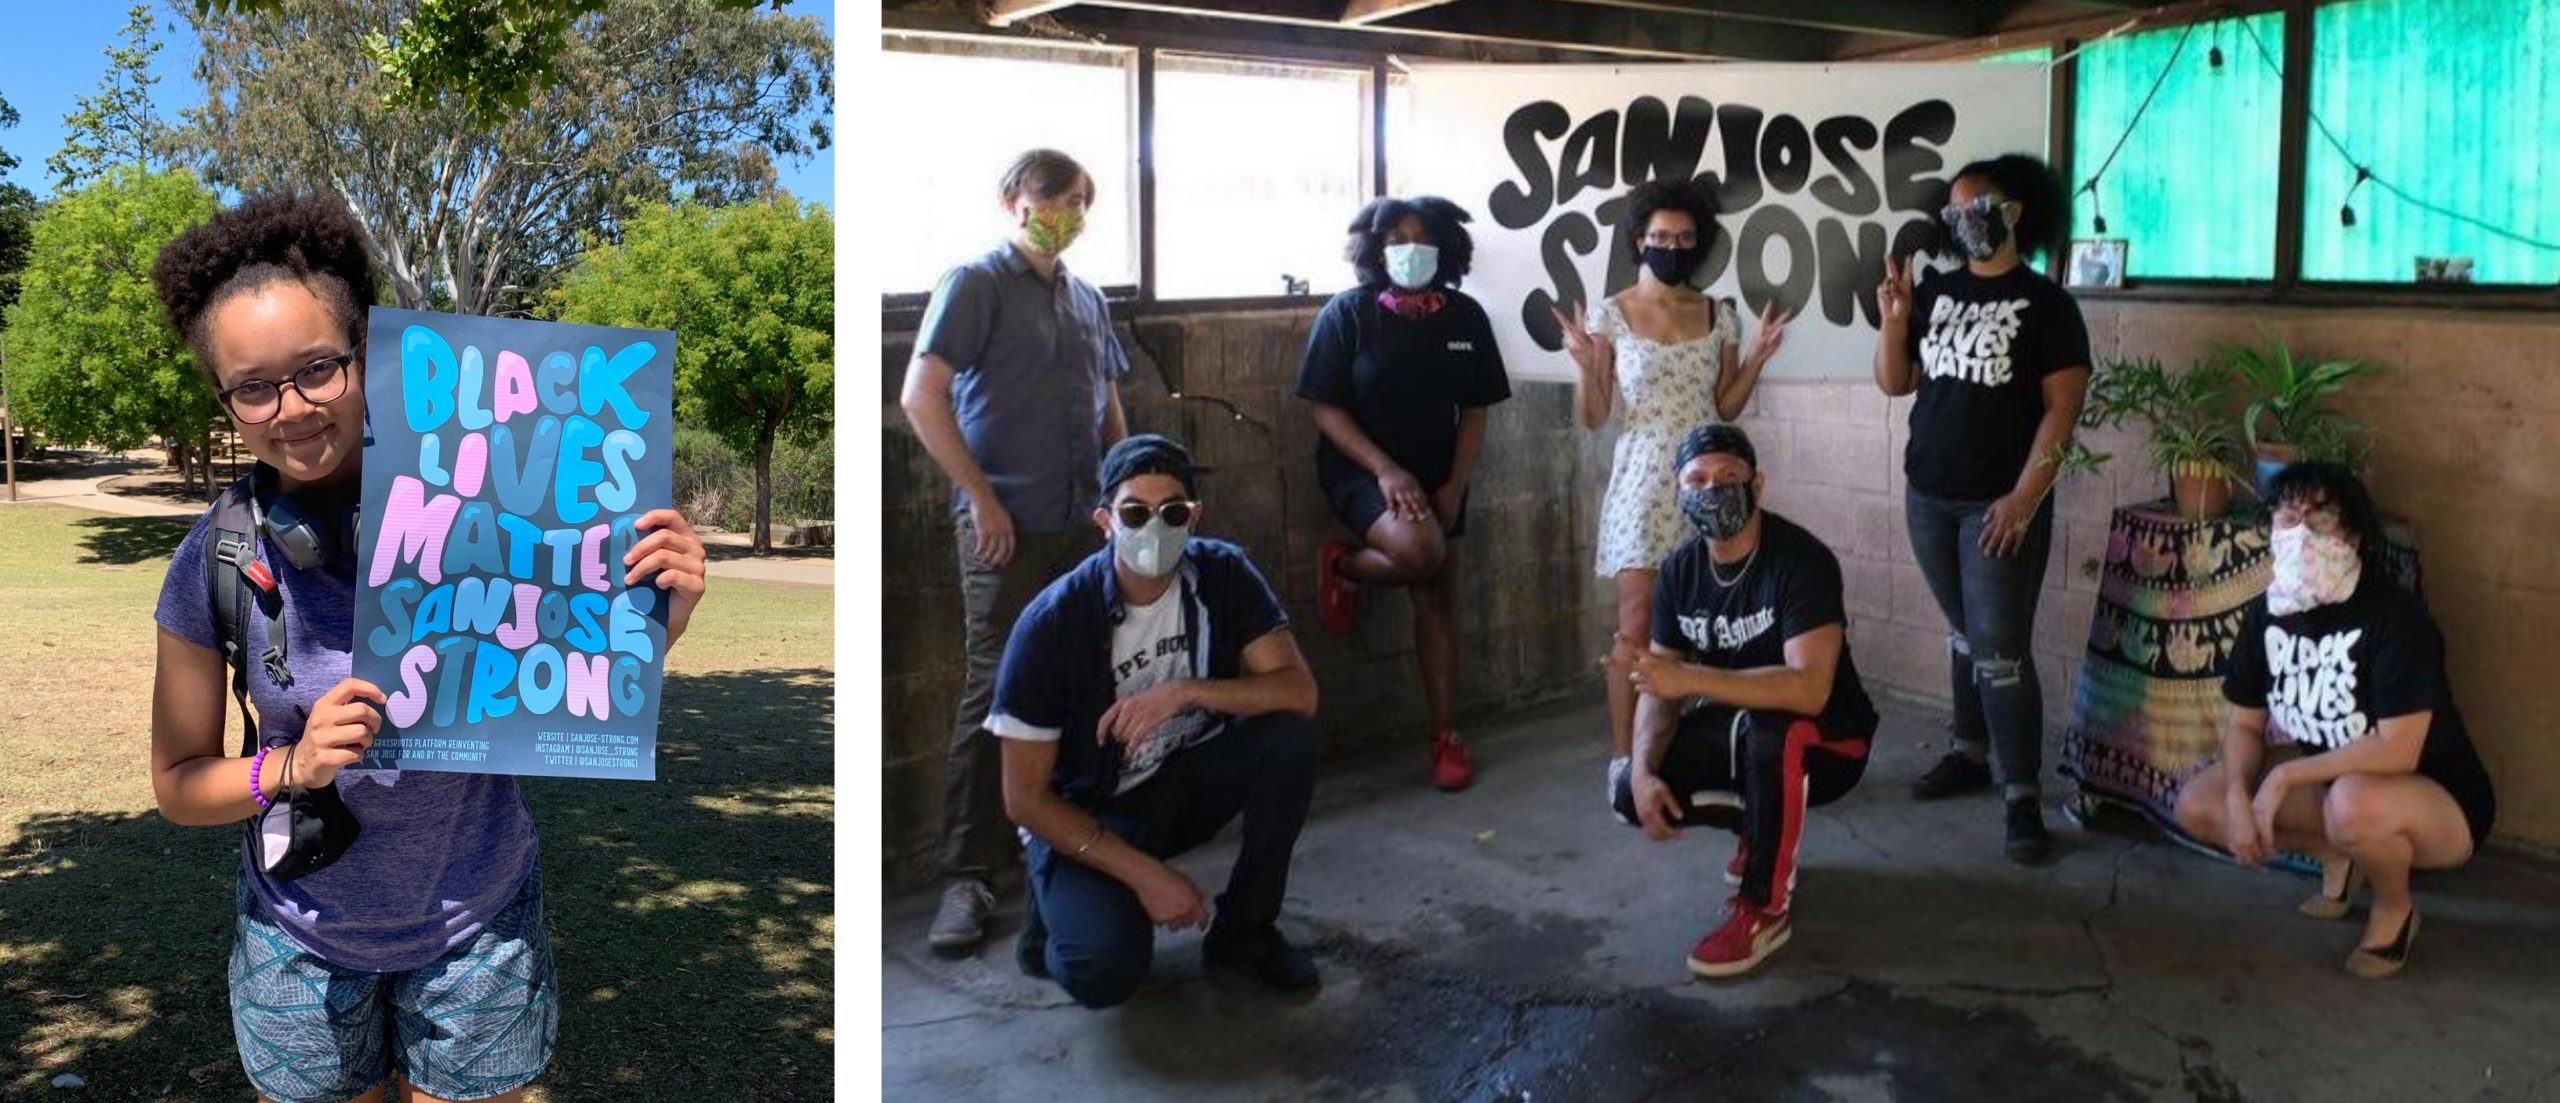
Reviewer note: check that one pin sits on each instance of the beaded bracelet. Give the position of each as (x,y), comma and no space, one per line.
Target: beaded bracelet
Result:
(257,766)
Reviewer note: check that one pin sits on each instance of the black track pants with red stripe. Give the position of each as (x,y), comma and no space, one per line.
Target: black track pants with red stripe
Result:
(1755,774)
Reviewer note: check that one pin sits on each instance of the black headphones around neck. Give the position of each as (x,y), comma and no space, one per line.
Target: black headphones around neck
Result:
(307,543)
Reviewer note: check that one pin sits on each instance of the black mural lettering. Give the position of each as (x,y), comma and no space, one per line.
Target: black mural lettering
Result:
(1850,190)
(1906,160)
(1850,271)
(1658,145)
(1519,205)
(1590,158)
(1739,187)
(1566,238)
(1786,155)
(1758,290)
(1918,235)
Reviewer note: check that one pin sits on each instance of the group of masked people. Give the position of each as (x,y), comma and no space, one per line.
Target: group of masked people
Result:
(1133,686)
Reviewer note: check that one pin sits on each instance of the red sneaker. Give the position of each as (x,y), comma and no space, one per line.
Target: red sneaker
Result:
(1452,768)
(1741,858)
(1748,936)
(1337,599)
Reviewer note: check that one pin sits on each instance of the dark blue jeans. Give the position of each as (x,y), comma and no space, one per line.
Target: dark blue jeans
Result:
(1990,606)
(1262,768)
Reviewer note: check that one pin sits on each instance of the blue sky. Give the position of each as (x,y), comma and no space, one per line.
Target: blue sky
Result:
(57,51)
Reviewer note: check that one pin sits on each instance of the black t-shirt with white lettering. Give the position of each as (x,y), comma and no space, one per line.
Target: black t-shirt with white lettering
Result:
(1405,380)
(1789,587)
(1982,347)
(2331,675)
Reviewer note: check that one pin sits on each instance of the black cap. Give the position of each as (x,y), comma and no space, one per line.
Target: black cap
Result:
(1717,437)
(1145,454)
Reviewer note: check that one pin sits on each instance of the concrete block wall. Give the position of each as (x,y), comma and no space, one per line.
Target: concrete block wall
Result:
(1533,620)
(2469,432)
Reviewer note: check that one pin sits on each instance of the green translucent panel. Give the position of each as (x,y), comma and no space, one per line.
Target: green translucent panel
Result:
(2035,56)
(2458,103)
(2194,192)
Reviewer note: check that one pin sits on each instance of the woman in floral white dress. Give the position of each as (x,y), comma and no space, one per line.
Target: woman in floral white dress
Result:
(1663,357)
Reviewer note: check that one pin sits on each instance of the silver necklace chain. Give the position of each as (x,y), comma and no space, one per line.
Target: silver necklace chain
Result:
(1721,581)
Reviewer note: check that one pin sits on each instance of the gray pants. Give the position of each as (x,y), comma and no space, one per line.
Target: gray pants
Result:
(1990,606)
(977,839)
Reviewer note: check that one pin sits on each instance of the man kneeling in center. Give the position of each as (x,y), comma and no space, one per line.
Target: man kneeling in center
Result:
(1146,698)
(1751,710)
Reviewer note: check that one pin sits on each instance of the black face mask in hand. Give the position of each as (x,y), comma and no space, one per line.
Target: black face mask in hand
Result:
(303,830)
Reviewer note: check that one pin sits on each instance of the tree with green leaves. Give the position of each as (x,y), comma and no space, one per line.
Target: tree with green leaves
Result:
(17,219)
(90,357)
(651,101)
(119,125)
(490,56)
(749,290)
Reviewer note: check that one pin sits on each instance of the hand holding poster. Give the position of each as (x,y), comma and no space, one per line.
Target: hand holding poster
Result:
(1820,171)
(506,465)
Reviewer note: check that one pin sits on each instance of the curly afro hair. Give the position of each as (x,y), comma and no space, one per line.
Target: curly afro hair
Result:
(1675,194)
(1445,221)
(308,237)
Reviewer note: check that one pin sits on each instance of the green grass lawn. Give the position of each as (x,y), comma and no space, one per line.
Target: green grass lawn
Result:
(692,916)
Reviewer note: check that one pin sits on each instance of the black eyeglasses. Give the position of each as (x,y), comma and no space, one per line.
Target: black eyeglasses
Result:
(257,401)
(1135,515)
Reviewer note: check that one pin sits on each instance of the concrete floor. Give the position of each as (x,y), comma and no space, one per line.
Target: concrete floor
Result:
(1515,943)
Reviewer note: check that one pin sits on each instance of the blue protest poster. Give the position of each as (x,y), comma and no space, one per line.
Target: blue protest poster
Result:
(505,467)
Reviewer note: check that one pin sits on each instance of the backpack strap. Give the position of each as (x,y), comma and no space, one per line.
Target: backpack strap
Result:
(233,578)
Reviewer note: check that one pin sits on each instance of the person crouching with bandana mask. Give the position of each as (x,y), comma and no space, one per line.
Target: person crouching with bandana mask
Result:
(2344,742)
(1147,697)
(1750,709)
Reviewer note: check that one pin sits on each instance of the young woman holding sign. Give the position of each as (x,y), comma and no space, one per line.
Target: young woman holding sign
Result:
(426,934)
(2000,359)
(1665,357)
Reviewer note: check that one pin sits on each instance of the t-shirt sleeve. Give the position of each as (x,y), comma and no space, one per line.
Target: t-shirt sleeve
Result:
(1810,597)
(2066,336)
(1115,356)
(186,607)
(2408,665)
(2244,681)
(1325,373)
(959,319)
(1487,383)
(1031,687)
(1668,584)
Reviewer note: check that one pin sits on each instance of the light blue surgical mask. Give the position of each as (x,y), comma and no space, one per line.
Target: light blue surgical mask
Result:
(1152,550)
(1412,266)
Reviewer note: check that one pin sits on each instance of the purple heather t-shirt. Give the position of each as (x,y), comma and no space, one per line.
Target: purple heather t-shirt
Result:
(440,855)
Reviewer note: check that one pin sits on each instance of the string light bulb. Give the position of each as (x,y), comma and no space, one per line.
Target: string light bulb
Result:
(2213,57)
(2346,208)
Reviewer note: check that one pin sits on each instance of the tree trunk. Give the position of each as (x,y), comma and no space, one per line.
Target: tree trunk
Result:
(178,458)
(764,485)
(207,453)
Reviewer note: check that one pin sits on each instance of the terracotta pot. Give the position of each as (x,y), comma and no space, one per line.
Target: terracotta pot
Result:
(2202,489)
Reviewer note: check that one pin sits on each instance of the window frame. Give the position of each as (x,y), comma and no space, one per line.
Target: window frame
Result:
(2287,287)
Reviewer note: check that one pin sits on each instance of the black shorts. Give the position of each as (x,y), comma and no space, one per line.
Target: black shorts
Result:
(1357,500)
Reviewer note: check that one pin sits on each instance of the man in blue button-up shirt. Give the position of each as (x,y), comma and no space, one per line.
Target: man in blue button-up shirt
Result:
(1014,391)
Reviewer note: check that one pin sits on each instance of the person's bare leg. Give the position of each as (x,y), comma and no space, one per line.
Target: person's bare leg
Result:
(1398,553)
(2390,825)
(1635,627)
(372,1096)
(1435,639)
(412,1095)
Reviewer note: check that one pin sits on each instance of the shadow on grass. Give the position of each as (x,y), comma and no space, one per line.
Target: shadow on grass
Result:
(692,919)
(124,541)
(722,552)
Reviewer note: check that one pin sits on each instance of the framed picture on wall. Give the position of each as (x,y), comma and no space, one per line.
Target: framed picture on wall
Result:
(2097,262)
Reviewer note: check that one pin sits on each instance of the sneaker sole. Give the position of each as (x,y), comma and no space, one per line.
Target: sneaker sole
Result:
(1715,970)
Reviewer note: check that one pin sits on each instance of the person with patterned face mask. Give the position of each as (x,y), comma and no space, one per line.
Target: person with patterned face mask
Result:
(2344,742)
(1147,697)
(1748,621)
(1998,357)
(1400,371)
(1015,392)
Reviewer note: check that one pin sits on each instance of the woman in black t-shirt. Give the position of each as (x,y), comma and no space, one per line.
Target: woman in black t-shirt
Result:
(1400,369)
(2344,741)
(2000,360)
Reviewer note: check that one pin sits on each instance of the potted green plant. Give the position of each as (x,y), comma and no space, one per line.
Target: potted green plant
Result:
(2289,417)
(2194,440)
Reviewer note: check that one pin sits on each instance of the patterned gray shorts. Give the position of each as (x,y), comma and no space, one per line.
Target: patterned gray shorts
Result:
(475,1023)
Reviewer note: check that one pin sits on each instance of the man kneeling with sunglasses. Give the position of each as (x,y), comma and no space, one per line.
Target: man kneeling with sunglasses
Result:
(1146,698)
